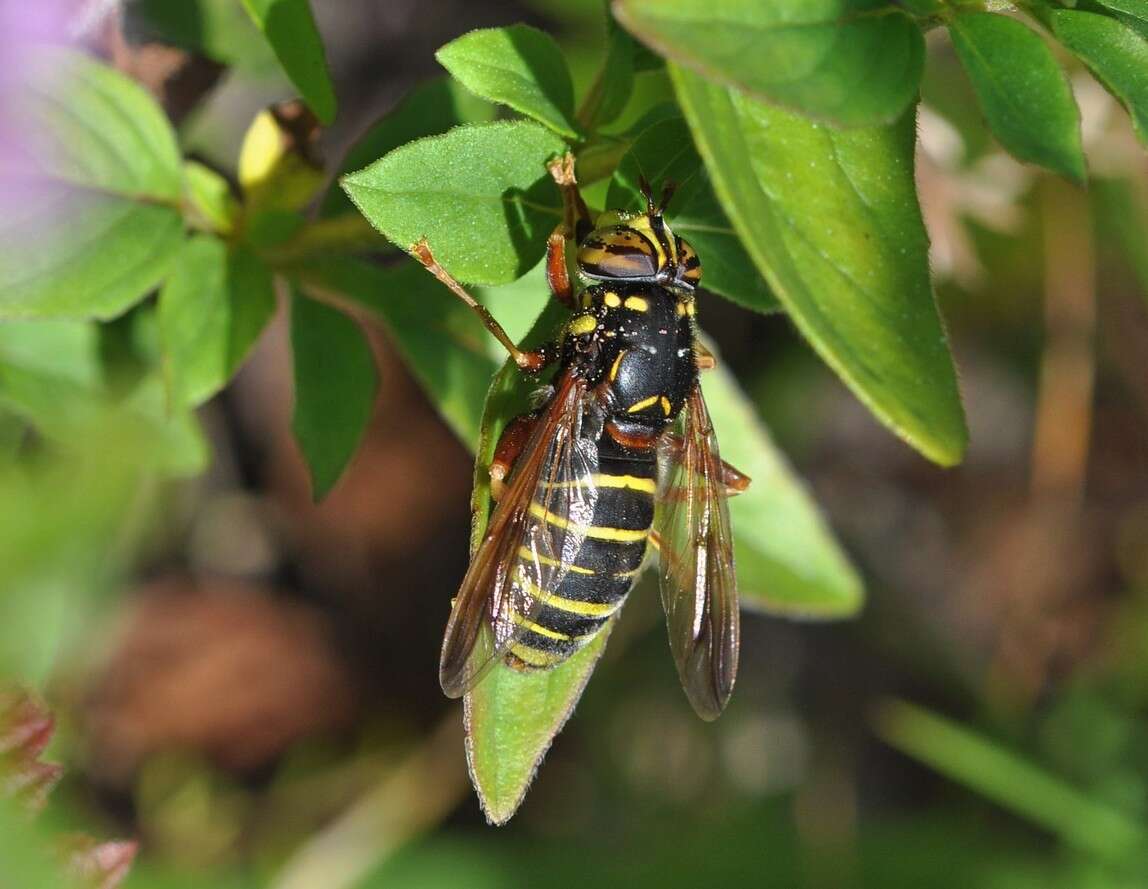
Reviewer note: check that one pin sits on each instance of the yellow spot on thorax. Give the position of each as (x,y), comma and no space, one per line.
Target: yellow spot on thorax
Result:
(612,300)
(582,324)
(637,304)
(642,405)
(613,375)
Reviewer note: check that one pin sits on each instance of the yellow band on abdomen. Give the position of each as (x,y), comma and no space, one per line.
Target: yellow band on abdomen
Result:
(595,532)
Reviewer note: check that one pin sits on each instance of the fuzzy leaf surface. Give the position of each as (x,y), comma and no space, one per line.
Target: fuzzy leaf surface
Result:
(1022,90)
(480,195)
(831,219)
(518,66)
(850,62)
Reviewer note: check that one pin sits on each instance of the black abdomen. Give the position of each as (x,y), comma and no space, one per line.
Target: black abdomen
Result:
(606,565)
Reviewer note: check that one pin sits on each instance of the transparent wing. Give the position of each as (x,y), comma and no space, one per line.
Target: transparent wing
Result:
(533,537)
(699,587)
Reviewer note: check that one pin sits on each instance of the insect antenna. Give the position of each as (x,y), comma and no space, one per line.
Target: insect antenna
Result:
(647,193)
(668,189)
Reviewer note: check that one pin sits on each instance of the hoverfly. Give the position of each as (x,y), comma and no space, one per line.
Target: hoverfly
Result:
(621,456)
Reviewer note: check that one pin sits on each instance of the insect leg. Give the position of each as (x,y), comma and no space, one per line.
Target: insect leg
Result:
(557,275)
(576,215)
(508,449)
(703,357)
(527,360)
(733,479)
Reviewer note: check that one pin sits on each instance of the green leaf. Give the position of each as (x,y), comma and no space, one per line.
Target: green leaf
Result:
(211,311)
(665,152)
(831,220)
(787,559)
(480,195)
(70,512)
(429,109)
(850,62)
(210,201)
(614,84)
(1024,94)
(449,351)
(74,255)
(91,198)
(51,374)
(290,28)
(1115,53)
(1133,13)
(1135,8)
(511,719)
(90,126)
(217,29)
(25,850)
(1010,780)
(335,386)
(518,66)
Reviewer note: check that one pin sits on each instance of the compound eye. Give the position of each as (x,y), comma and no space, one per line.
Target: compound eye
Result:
(618,252)
(689,266)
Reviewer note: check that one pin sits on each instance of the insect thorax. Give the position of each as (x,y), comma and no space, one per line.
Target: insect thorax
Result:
(635,343)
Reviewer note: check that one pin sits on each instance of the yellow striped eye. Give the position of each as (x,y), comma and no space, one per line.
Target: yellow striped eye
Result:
(618,252)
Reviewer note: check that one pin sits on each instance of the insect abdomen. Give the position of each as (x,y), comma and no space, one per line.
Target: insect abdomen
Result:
(607,564)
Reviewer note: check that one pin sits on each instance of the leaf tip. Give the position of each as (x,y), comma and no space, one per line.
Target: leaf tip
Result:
(1076,168)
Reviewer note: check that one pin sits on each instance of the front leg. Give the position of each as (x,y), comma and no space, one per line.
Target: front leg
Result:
(557,274)
(733,480)
(530,361)
(575,213)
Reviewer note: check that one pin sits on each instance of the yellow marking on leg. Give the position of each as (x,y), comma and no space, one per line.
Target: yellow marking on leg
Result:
(666,406)
(540,630)
(587,299)
(582,324)
(612,300)
(691,308)
(613,375)
(528,555)
(637,303)
(642,405)
(681,308)
(596,532)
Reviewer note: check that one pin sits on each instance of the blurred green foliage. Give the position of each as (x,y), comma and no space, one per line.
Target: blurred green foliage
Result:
(791,129)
